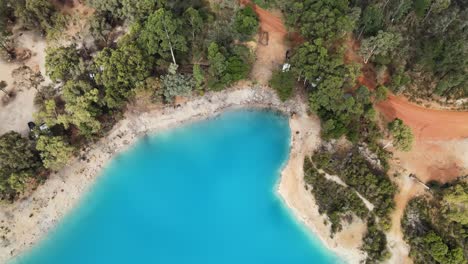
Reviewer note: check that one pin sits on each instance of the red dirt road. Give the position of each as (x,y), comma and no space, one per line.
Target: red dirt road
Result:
(268,21)
(426,123)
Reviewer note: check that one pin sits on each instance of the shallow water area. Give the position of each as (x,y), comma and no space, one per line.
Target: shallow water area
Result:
(201,193)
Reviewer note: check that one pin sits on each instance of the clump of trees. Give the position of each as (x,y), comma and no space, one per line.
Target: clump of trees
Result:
(119,71)
(328,20)
(20,165)
(436,226)
(227,66)
(55,151)
(283,83)
(375,243)
(63,63)
(402,135)
(366,179)
(344,202)
(176,84)
(246,22)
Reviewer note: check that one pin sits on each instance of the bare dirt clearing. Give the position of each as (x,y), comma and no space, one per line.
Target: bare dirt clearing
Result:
(442,161)
(269,57)
(16,114)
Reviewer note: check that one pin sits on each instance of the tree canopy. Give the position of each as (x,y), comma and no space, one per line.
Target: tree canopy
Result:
(19,161)
(54,151)
(402,135)
(62,63)
(161,34)
(119,71)
(246,22)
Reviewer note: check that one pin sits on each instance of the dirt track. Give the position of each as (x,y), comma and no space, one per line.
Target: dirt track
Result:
(426,123)
(269,57)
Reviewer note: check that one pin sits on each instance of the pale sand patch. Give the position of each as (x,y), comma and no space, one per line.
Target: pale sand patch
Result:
(408,189)
(16,114)
(29,220)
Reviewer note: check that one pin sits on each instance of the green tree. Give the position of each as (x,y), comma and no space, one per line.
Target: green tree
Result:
(246,22)
(381,93)
(313,62)
(99,28)
(119,71)
(402,135)
(161,35)
(7,48)
(62,63)
(18,162)
(194,19)
(137,10)
(19,180)
(217,61)
(236,69)
(372,20)
(421,7)
(48,114)
(326,19)
(283,83)
(198,76)
(17,153)
(81,108)
(176,84)
(375,244)
(382,44)
(54,151)
(36,13)
(455,203)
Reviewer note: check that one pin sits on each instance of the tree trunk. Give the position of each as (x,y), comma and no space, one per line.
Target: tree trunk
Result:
(428,13)
(170,44)
(367,58)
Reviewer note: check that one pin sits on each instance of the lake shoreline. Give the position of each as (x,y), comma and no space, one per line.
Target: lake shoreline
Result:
(27,221)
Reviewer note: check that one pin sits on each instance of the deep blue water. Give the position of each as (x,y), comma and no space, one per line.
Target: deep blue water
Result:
(202,193)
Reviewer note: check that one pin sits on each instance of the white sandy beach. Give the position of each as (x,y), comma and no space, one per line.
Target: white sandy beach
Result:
(25,222)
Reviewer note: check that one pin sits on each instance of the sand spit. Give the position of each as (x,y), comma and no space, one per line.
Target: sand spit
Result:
(25,222)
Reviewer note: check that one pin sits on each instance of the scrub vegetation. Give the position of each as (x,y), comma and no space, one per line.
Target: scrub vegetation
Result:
(360,176)
(436,225)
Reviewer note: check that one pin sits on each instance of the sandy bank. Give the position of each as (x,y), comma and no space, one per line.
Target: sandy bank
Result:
(25,222)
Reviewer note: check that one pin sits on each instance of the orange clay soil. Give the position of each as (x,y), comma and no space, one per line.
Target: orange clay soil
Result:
(426,123)
(268,21)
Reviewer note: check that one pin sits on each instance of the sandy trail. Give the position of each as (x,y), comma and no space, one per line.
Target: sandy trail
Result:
(269,57)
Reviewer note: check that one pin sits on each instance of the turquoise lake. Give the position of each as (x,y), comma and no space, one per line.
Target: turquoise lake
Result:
(201,193)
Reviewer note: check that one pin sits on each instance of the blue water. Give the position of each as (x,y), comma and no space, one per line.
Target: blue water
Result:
(202,193)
